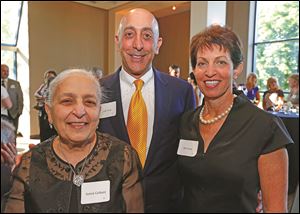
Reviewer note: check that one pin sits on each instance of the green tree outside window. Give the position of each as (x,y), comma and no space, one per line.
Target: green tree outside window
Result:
(276,47)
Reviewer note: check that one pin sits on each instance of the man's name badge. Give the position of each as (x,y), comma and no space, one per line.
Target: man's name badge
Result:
(95,192)
(188,148)
(108,109)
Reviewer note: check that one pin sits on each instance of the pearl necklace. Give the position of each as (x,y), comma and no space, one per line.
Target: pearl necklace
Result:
(215,119)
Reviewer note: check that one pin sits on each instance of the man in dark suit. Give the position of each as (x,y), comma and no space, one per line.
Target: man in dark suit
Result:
(165,97)
(15,93)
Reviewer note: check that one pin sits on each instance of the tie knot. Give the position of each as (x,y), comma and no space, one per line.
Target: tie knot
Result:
(138,84)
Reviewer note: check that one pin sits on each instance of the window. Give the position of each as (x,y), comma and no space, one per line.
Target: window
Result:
(11,12)
(276,41)
(9,58)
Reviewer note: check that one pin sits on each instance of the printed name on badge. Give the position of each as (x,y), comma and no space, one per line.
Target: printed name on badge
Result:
(188,148)
(108,110)
(95,192)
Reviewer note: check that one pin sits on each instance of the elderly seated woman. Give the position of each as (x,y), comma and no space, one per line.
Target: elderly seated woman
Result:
(80,170)
(293,96)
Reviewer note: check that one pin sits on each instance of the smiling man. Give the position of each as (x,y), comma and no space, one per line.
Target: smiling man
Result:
(146,106)
(138,41)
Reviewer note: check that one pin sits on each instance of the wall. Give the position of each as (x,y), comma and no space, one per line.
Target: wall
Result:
(237,18)
(159,9)
(174,30)
(67,34)
(63,35)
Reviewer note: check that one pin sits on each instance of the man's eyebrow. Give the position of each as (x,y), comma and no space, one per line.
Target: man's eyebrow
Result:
(134,28)
(147,28)
(129,28)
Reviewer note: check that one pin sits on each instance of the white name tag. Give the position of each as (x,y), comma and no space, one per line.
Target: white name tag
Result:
(95,192)
(188,148)
(108,109)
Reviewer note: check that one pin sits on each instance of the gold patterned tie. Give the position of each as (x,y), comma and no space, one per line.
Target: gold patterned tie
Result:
(137,122)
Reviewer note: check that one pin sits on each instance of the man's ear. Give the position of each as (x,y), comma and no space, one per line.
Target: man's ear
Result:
(117,41)
(159,43)
(238,71)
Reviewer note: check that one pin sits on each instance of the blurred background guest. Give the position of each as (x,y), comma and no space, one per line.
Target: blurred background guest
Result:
(174,70)
(192,80)
(97,72)
(5,102)
(251,90)
(293,96)
(80,170)
(41,95)
(273,97)
(14,90)
(8,154)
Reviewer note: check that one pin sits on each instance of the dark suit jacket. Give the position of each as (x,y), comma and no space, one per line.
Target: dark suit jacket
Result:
(16,95)
(162,188)
(6,180)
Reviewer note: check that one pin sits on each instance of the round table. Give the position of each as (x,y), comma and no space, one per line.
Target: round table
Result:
(291,122)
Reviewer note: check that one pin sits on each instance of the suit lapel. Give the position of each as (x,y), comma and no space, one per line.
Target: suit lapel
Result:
(113,92)
(161,107)
(8,83)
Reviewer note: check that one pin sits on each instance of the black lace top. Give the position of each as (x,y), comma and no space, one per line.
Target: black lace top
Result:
(43,182)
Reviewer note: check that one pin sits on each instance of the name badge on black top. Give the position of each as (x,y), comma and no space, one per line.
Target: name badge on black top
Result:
(95,192)
(188,148)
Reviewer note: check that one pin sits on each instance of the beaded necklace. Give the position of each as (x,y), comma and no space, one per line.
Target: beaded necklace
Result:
(78,179)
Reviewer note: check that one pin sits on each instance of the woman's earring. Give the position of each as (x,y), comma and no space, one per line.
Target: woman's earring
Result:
(51,126)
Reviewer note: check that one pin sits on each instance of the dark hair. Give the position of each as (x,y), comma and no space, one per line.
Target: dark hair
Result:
(220,36)
(192,76)
(50,71)
(175,67)
(50,80)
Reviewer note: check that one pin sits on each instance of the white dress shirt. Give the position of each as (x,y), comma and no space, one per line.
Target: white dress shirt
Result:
(127,90)
(5,82)
(4,95)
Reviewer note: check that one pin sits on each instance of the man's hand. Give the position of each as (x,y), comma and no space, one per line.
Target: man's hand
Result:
(8,154)
(259,208)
